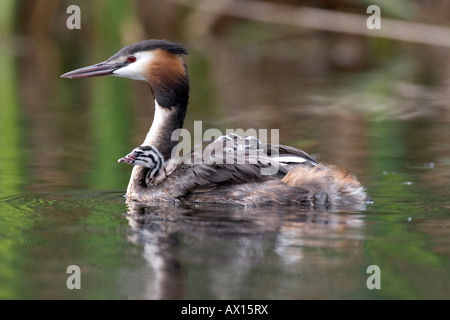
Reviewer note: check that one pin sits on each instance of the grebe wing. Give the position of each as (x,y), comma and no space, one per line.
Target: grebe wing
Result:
(205,177)
(288,151)
(232,159)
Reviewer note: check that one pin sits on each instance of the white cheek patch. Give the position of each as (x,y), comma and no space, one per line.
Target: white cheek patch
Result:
(137,69)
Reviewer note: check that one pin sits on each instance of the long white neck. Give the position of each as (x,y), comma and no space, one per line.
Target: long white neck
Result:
(166,120)
(158,127)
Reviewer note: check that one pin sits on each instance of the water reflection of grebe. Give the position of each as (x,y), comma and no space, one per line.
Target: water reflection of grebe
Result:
(222,246)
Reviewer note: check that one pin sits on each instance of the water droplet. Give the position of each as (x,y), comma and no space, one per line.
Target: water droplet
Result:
(429,165)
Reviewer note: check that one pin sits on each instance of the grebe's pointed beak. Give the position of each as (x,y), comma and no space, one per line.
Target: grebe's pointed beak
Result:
(96,70)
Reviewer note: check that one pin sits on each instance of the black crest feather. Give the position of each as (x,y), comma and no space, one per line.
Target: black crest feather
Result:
(151,44)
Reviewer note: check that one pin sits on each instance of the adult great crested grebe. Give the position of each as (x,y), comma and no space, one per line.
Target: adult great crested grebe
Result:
(230,174)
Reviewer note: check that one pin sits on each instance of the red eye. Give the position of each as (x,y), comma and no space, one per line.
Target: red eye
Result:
(131,59)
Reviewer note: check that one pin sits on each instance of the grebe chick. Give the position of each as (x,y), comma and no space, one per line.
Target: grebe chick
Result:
(231,169)
(148,157)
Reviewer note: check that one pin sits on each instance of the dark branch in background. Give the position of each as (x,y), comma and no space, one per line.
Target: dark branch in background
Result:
(327,20)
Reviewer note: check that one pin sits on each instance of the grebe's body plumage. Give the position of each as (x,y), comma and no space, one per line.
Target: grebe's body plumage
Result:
(232,173)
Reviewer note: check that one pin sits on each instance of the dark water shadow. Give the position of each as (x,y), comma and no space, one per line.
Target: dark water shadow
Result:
(229,242)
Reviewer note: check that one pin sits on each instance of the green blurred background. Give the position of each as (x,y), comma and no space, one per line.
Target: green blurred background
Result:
(366,100)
